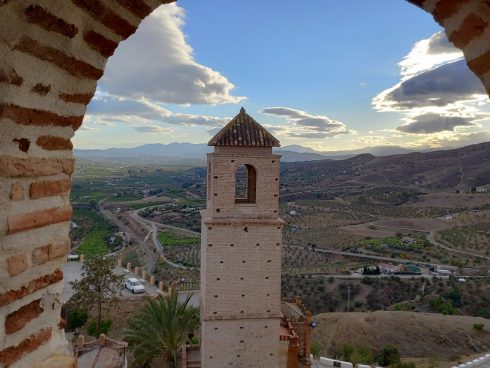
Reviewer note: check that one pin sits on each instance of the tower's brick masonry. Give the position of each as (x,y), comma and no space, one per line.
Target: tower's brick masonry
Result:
(241,263)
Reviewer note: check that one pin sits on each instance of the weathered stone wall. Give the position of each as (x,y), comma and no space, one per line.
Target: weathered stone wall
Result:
(52,54)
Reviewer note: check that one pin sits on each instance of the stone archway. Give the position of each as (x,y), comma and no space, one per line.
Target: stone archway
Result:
(52,54)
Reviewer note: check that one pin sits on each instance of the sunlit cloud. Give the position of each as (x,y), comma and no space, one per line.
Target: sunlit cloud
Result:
(374,140)
(158,63)
(450,139)
(429,53)
(301,124)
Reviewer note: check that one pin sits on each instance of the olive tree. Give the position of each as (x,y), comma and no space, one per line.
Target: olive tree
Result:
(98,287)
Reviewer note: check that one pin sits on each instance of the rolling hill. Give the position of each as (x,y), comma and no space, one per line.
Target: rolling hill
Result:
(415,334)
(455,168)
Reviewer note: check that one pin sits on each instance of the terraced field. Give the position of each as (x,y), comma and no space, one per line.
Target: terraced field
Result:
(96,232)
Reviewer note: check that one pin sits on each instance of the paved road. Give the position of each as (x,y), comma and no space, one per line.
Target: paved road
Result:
(356,276)
(153,226)
(368,256)
(136,215)
(150,260)
(73,271)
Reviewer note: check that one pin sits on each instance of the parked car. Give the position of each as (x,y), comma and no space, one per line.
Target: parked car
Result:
(134,285)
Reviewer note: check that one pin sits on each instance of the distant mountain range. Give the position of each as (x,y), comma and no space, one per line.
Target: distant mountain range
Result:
(378,166)
(195,154)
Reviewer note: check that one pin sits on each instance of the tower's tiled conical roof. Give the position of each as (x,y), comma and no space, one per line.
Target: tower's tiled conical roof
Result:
(244,131)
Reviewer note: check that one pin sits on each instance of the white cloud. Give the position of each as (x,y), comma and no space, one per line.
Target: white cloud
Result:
(302,124)
(87,128)
(153,129)
(158,63)
(108,110)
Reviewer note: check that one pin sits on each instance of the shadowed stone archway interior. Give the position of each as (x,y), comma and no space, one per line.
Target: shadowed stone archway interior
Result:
(52,54)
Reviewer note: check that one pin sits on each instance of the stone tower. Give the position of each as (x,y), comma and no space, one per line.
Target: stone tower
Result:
(241,249)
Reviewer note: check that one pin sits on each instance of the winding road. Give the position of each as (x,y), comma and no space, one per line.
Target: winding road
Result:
(156,247)
(153,233)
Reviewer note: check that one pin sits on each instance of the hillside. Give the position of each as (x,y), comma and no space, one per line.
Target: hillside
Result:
(415,334)
(446,169)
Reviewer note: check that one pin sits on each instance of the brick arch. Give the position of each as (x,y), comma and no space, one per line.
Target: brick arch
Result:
(52,54)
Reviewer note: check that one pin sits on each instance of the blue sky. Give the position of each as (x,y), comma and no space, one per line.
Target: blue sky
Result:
(327,75)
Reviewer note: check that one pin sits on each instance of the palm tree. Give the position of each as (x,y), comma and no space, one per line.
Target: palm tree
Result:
(160,328)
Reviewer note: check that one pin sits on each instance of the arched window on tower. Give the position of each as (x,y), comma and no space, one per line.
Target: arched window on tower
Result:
(245,184)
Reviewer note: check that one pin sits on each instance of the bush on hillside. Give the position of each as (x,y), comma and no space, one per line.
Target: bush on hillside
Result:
(104,328)
(389,355)
(75,319)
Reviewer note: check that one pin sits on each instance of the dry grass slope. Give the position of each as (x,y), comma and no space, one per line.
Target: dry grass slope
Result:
(416,334)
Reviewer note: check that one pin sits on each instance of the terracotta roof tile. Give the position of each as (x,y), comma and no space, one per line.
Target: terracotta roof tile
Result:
(244,131)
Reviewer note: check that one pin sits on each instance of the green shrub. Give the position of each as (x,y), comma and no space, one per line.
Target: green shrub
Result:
(75,319)
(435,361)
(347,351)
(105,326)
(390,355)
(404,365)
(405,307)
(368,280)
(362,355)
(443,306)
(479,326)
(131,257)
(454,296)
(316,349)
(484,312)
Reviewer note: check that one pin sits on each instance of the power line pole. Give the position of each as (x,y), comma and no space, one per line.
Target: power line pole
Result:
(348,298)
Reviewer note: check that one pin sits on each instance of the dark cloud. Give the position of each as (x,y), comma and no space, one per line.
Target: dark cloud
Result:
(305,125)
(446,84)
(434,123)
